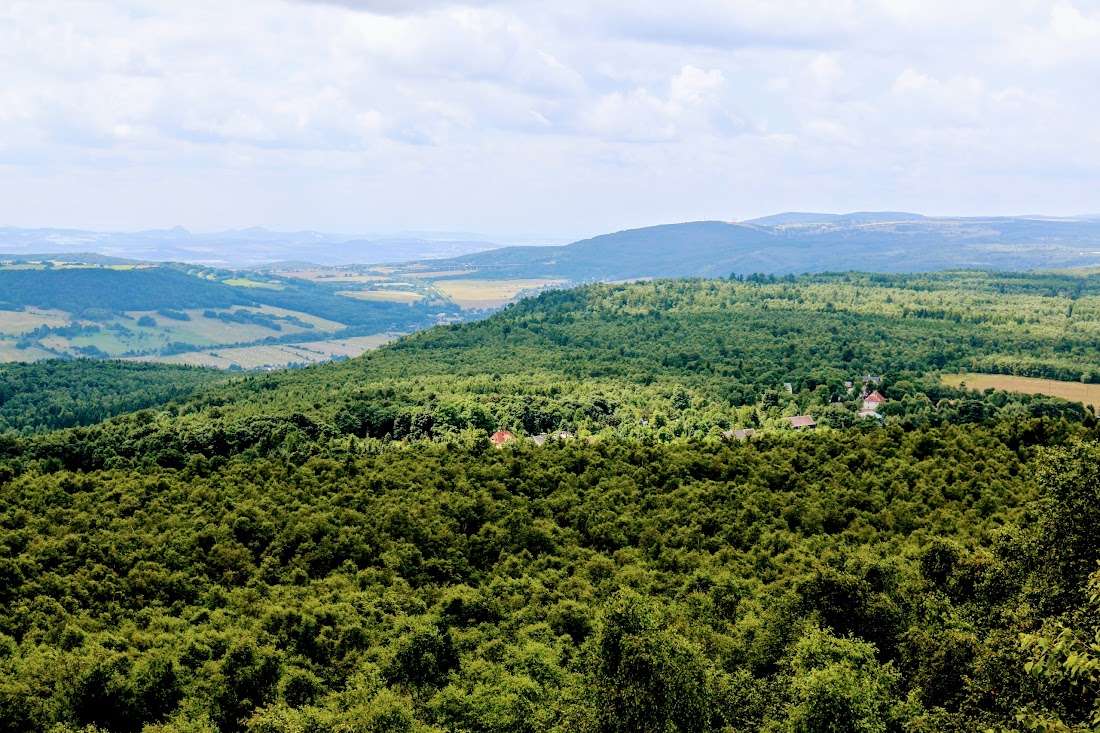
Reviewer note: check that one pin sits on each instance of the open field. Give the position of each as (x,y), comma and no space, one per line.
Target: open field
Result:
(19,322)
(468,294)
(436,273)
(1088,394)
(389,296)
(123,334)
(351,346)
(276,356)
(203,331)
(111,343)
(242,282)
(9,353)
(320,324)
(246,357)
(331,275)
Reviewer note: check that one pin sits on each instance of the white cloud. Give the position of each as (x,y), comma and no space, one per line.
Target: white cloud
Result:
(480,115)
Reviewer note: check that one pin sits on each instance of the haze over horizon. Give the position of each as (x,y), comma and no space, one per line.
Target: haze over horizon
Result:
(562,122)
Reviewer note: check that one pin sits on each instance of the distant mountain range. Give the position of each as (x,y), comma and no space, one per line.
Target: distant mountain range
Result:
(804,242)
(791,242)
(800,217)
(240,248)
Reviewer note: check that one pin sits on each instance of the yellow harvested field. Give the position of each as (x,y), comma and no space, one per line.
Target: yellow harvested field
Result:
(20,322)
(1089,394)
(389,296)
(468,294)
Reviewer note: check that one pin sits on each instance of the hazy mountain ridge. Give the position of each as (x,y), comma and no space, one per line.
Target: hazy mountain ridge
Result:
(781,243)
(797,244)
(799,217)
(240,247)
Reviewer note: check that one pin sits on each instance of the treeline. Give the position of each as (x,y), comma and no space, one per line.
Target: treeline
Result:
(663,361)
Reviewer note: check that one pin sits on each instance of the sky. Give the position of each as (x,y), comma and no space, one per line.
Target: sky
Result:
(561,119)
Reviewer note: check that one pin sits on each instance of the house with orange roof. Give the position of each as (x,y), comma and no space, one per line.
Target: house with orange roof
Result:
(873,400)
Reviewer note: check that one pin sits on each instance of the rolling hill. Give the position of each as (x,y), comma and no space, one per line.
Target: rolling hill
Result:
(255,246)
(795,243)
(181,312)
(339,549)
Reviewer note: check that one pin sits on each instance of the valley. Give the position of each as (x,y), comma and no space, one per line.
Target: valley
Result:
(287,314)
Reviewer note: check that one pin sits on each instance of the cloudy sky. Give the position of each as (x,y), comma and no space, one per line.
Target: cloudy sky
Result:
(560,119)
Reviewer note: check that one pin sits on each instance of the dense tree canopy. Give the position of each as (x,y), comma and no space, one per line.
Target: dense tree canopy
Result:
(341,549)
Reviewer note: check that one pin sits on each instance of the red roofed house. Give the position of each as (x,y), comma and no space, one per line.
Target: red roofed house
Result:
(501,437)
(873,400)
(803,421)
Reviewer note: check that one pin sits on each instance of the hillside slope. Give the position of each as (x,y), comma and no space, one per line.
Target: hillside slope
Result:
(52,395)
(809,243)
(339,549)
(662,360)
(194,314)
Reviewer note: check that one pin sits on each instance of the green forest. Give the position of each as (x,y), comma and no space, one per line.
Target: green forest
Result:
(341,548)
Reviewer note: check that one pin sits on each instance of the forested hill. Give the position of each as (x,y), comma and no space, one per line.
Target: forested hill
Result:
(662,359)
(148,288)
(339,549)
(805,243)
(53,395)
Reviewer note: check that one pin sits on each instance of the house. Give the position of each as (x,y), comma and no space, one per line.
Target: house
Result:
(802,422)
(868,378)
(562,435)
(501,437)
(848,386)
(789,387)
(738,434)
(539,439)
(870,413)
(873,400)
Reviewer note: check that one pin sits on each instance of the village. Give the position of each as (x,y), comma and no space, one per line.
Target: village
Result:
(869,397)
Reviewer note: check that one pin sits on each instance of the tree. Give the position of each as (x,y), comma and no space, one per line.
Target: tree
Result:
(1068,535)
(839,686)
(1060,654)
(644,677)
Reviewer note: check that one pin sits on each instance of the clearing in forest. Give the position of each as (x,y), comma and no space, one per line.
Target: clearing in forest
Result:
(1088,394)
